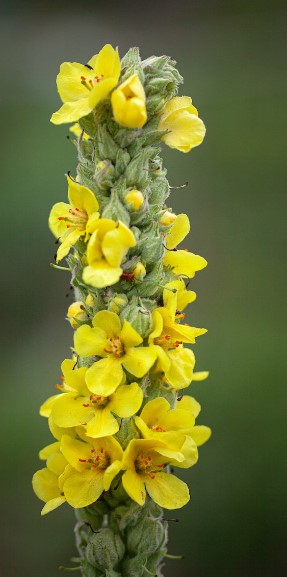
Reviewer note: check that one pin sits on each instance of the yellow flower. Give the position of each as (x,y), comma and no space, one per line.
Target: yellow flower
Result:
(182,262)
(68,222)
(48,482)
(106,250)
(183,296)
(180,118)
(166,340)
(199,433)
(171,426)
(94,465)
(178,231)
(82,87)
(128,102)
(167,218)
(143,466)
(77,406)
(119,345)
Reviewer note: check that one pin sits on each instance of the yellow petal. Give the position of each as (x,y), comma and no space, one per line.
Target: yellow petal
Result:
(167,490)
(190,453)
(175,104)
(103,424)
(184,263)
(59,210)
(187,131)
(90,341)
(104,376)
(45,485)
(53,504)
(107,62)
(200,434)
(182,361)
(126,400)
(69,83)
(72,111)
(100,274)
(81,197)
(200,375)
(74,450)
(129,336)
(134,486)
(49,450)
(70,412)
(154,410)
(83,489)
(189,404)
(69,241)
(138,360)
(178,231)
(108,322)
(46,408)
(101,91)
(110,473)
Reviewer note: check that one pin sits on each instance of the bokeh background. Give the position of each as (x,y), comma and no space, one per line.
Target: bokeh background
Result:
(232,56)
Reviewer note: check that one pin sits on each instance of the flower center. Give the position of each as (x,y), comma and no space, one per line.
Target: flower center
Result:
(158,429)
(76,218)
(115,347)
(144,464)
(97,400)
(98,460)
(167,342)
(89,84)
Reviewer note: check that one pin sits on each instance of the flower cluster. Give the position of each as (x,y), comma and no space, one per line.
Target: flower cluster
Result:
(118,418)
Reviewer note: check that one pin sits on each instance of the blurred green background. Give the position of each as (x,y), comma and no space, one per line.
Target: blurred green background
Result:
(232,57)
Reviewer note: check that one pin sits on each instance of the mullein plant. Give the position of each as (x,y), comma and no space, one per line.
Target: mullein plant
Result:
(120,420)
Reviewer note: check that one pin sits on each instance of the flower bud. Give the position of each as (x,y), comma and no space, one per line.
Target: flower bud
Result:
(167,218)
(76,313)
(117,303)
(128,103)
(134,199)
(105,549)
(89,300)
(139,271)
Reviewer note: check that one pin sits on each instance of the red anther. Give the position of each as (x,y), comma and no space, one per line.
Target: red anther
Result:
(149,458)
(68,225)
(167,337)
(61,378)
(117,355)
(111,339)
(83,79)
(152,476)
(161,466)
(77,208)
(102,450)
(86,404)
(91,397)
(61,218)
(107,351)
(97,458)
(93,450)
(83,460)
(146,462)
(127,276)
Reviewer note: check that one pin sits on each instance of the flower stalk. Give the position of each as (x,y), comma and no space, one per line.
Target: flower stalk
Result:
(119,421)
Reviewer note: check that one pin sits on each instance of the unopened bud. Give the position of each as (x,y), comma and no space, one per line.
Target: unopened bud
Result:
(105,549)
(167,218)
(139,271)
(89,300)
(134,199)
(117,303)
(76,313)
